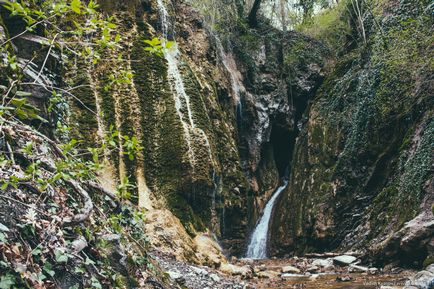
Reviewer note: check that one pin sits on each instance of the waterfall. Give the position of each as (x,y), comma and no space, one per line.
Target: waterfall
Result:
(257,248)
(182,99)
(229,63)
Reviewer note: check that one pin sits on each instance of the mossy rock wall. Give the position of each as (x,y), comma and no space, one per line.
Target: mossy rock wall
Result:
(362,161)
(207,194)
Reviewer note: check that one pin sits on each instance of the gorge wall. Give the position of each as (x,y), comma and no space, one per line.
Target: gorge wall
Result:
(219,173)
(362,163)
(353,133)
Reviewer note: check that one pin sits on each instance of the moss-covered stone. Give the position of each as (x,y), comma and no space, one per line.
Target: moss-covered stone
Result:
(363,152)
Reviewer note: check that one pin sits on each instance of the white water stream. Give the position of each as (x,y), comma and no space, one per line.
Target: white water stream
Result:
(182,99)
(230,65)
(257,248)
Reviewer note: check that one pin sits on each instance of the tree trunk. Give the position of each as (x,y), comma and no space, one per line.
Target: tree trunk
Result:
(253,21)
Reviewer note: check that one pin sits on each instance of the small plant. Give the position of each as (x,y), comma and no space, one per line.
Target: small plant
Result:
(157,46)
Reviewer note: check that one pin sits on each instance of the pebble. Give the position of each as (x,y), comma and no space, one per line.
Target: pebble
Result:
(344,278)
(373,271)
(199,271)
(215,278)
(174,275)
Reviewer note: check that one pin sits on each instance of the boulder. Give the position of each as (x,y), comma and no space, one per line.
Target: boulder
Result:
(430,268)
(290,269)
(327,264)
(344,260)
(422,280)
(234,270)
(312,269)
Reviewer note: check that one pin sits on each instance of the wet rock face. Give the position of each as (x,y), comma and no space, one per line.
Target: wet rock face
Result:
(361,167)
(279,80)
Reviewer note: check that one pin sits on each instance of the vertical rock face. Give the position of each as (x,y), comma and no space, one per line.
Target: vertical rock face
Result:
(199,176)
(240,143)
(356,144)
(282,73)
(241,140)
(362,163)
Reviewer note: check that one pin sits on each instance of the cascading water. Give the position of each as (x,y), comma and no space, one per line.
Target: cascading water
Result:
(182,99)
(257,248)
(228,62)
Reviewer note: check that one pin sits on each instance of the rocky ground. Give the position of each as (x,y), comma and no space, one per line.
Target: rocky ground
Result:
(331,272)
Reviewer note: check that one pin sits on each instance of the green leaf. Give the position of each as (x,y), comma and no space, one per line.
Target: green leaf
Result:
(95,283)
(3,239)
(61,256)
(48,268)
(169,44)
(3,228)
(23,93)
(18,102)
(7,281)
(76,6)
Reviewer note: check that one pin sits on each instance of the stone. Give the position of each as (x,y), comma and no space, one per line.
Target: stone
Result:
(78,245)
(111,237)
(357,269)
(268,274)
(312,269)
(373,271)
(290,269)
(423,280)
(199,271)
(430,268)
(344,278)
(175,275)
(248,261)
(215,277)
(231,269)
(327,264)
(291,275)
(344,260)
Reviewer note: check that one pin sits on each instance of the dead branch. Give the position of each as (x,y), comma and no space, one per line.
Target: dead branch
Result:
(87,209)
(114,199)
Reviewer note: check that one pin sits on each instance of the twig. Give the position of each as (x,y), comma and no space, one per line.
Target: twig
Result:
(62,90)
(9,90)
(114,201)
(46,58)
(21,33)
(88,204)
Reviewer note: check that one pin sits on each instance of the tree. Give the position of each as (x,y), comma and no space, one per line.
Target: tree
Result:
(253,15)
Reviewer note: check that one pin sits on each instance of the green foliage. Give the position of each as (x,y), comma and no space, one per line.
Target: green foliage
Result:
(79,32)
(7,281)
(330,26)
(157,46)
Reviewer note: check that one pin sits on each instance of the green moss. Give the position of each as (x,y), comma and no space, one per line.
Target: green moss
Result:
(428,261)
(183,211)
